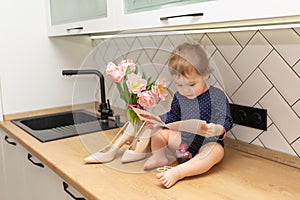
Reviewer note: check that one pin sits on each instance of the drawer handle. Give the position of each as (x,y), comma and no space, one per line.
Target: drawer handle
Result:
(65,185)
(29,157)
(6,138)
(75,28)
(186,15)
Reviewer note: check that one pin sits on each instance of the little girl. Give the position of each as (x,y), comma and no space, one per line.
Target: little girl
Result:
(195,99)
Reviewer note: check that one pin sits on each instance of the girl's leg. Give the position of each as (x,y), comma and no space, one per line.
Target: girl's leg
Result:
(209,155)
(159,142)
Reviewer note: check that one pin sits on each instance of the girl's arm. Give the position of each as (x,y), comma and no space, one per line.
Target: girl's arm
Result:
(175,113)
(221,120)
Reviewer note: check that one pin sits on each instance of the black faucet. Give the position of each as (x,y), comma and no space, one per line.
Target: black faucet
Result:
(104,106)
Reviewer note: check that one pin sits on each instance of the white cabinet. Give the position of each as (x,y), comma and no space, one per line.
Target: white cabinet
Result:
(152,14)
(213,12)
(73,17)
(43,183)
(133,6)
(14,160)
(25,177)
(2,174)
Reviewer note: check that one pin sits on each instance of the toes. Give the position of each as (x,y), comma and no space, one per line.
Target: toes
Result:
(164,181)
(167,183)
(159,175)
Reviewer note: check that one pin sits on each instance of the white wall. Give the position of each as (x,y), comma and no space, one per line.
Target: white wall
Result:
(1,110)
(258,68)
(31,63)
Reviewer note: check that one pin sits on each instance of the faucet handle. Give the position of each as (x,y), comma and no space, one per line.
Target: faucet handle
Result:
(110,111)
(108,104)
(105,111)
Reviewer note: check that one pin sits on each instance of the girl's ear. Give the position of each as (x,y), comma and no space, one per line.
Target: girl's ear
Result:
(206,77)
(207,74)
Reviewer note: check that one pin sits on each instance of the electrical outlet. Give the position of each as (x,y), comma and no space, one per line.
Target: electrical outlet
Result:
(249,116)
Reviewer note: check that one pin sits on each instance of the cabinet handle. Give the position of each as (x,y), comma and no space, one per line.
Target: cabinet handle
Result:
(186,15)
(75,28)
(6,138)
(65,185)
(29,157)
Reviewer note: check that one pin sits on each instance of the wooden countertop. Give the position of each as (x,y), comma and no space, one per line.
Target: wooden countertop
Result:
(238,176)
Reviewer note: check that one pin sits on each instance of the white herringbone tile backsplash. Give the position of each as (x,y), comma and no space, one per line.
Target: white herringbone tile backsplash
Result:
(255,68)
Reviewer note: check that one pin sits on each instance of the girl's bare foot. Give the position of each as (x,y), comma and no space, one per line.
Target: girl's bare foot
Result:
(169,177)
(156,160)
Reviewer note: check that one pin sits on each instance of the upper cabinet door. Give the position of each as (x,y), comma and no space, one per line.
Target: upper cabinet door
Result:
(133,6)
(70,17)
(137,14)
(73,17)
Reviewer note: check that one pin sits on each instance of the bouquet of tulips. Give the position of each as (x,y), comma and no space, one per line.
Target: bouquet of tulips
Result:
(135,89)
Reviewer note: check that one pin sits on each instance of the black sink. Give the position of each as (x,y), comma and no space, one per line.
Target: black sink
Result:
(63,125)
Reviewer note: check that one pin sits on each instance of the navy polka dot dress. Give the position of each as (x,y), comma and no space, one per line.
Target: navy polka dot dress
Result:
(211,106)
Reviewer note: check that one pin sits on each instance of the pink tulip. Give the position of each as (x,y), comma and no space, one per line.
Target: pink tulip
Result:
(159,89)
(118,76)
(127,63)
(143,97)
(110,68)
(136,83)
(115,72)
(146,99)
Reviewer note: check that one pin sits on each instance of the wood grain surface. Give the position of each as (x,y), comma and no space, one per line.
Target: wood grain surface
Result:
(239,176)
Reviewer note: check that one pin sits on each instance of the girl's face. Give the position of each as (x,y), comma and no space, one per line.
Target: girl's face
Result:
(191,86)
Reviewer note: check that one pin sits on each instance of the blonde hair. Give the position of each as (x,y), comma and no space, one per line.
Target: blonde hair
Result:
(187,59)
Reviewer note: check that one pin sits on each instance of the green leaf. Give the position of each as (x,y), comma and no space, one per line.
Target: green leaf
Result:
(143,75)
(136,69)
(149,80)
(132,118)
(128,71)
(148,87)
(132,99)
(121,91)
(126,92)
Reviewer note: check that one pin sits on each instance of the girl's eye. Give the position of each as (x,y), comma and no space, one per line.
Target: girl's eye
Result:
(192,84)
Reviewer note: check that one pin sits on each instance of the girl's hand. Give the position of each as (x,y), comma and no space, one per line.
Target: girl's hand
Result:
(211,129)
